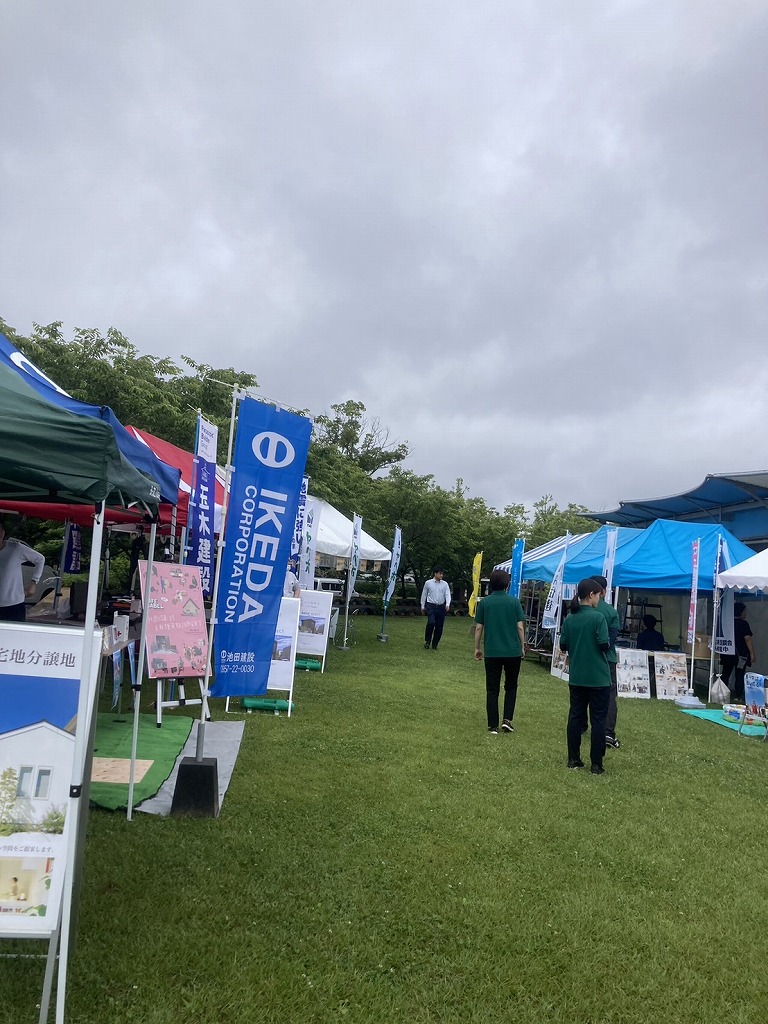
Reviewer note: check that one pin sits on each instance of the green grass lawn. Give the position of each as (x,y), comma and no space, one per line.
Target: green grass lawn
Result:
(381,858)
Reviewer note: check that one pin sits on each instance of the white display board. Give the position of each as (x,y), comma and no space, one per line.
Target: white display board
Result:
(284,647)
(671,674)
(46,709)
(314,623)
(633,677)
(560,664)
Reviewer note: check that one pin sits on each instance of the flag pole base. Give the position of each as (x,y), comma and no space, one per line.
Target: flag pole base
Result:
(689,700)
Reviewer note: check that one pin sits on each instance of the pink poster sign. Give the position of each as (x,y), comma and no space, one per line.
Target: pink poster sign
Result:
(177,637)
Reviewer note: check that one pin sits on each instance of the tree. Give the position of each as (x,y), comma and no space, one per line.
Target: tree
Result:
(9,782)
(550,522)
(361,441)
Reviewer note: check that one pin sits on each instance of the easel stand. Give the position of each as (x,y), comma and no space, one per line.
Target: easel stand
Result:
(182,701)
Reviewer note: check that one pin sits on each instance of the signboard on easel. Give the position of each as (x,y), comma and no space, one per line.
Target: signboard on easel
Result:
(314,623)
(283,661)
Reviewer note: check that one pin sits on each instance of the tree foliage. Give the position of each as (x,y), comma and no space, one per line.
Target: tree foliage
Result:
(151,393)
(353,462)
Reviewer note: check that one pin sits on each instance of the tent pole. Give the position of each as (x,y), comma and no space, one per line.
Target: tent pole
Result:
(200,745)
(140,666)
(60,573)
(88,641)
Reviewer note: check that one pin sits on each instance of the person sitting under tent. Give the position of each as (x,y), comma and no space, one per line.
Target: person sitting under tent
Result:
(650,639)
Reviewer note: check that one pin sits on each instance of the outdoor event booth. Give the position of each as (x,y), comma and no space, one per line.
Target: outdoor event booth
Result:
(54,450)
(652,573)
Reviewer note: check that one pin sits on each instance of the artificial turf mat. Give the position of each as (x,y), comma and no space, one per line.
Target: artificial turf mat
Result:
(161,746)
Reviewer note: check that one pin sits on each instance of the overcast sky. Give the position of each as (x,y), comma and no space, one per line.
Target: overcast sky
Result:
(532,237)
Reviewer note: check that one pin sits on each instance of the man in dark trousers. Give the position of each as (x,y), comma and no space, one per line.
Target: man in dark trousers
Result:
(435,602)
(500,641)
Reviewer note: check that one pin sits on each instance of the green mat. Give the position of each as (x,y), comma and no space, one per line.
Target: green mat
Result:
(162,746)
(716,717)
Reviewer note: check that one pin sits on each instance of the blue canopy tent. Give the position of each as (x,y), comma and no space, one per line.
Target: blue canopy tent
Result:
(737,501)
(658,558)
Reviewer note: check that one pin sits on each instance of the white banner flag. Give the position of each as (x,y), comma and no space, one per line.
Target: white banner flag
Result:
(308,555)
(551,617)
(611,536)
(394,565)
(724,600)
(694,593)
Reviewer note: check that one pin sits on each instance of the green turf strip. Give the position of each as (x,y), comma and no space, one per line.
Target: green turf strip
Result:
(162,746)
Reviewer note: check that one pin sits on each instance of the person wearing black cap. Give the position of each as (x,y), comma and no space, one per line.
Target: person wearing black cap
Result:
(612,619)
(650,639)
(435,602)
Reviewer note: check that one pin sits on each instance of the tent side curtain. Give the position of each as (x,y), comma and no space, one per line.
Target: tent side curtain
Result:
(49,453)
(658,558)
(166,478)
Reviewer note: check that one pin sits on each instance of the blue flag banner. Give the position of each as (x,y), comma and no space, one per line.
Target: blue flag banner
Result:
(202,503)
(268,466)
(518,549)
(73,548)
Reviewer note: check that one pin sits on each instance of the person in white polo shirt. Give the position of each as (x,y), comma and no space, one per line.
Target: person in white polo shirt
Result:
(13,554)
(435,602)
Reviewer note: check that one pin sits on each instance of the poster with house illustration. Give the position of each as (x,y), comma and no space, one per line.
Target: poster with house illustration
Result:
(41,710)
(177,635)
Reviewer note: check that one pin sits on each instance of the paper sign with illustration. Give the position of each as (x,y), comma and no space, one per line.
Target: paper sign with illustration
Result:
(177,637)
(632,673)
(671,674)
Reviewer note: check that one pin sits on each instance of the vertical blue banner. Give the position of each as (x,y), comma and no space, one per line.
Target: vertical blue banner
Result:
(270,455)
(202,504)
(518,550)
(73,549)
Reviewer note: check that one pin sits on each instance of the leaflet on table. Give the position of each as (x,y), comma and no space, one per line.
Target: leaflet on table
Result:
(177,637)
(45,716)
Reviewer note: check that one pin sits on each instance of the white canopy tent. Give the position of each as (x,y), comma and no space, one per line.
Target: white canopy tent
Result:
(334,535)
(751,574)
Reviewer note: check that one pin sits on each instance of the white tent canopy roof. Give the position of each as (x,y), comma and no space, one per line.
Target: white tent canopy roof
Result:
(751,574)
(334,534)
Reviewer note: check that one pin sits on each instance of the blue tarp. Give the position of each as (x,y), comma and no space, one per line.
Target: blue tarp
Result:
(658,558)
(137,454)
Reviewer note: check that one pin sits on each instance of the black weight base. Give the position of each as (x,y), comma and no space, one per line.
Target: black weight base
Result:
(197,789)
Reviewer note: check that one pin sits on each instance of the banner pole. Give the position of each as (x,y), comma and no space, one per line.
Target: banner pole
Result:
(136,685)
(200,745)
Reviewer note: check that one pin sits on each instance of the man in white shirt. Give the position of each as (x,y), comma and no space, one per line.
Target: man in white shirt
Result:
(13,554)
(435,602)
